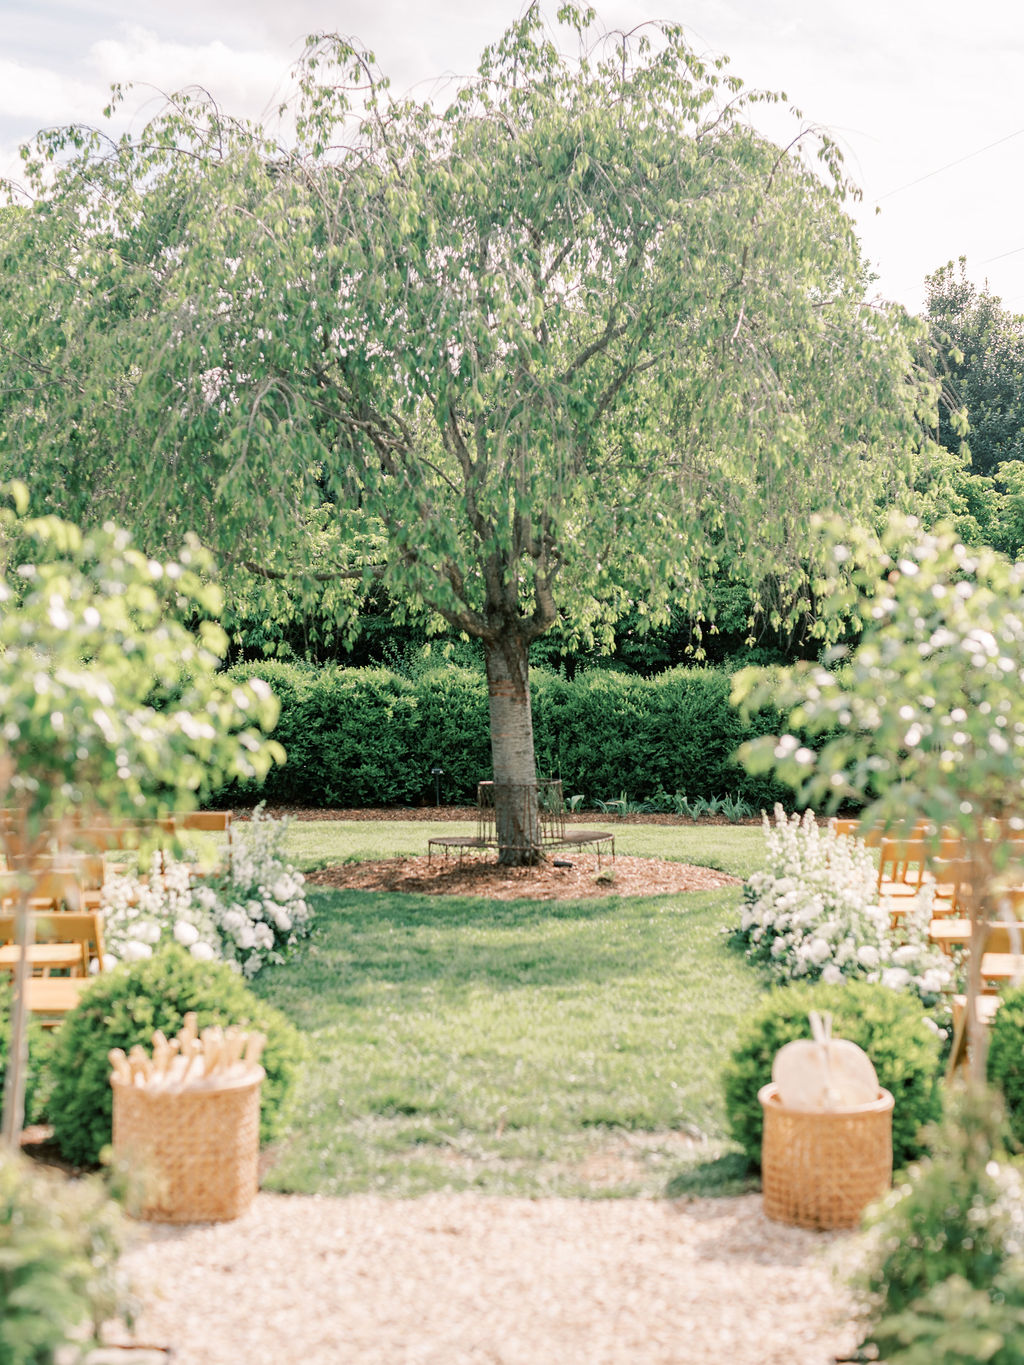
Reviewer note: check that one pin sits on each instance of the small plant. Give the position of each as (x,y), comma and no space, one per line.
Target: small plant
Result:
(605,876)
(734,808)
(122,1008)
(954,1323)
(950,1240)
(891,1028)
(575,803)
(59,1245)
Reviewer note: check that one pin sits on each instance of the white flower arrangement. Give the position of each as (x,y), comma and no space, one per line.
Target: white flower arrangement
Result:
(814,913)
(247,916)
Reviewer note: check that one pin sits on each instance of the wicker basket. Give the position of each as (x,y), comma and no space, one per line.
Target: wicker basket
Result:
(196,1149)
(822,1170)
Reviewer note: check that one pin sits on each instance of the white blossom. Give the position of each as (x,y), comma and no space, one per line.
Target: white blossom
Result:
(246,917)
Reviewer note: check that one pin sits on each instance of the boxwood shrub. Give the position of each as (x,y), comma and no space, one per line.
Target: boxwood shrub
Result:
(889,1026)
(124,1007)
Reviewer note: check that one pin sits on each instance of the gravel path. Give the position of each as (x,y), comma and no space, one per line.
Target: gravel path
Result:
(454,1279)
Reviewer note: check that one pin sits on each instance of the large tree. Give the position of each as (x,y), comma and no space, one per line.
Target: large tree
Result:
(537,354)
(980,346)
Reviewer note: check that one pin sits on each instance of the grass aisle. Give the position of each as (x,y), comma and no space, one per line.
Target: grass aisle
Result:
(513,1047)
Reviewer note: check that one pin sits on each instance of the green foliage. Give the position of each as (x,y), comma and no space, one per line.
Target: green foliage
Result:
(59,1244)
(1006,1058)
(950,1237)
(451,730)
(608,731)
(349,736)
(927,714)
(889,1026)
(953,1323)
(112,704)
(553,352)
(981,352)
(124,1007)
(367,737)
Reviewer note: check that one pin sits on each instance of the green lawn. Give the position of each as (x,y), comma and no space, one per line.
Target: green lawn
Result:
(527,1047)
(732,848)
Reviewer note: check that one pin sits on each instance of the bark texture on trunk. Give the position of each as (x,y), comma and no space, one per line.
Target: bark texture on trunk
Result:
(515,770)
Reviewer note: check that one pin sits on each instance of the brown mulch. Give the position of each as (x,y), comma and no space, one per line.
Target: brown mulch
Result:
(440,876)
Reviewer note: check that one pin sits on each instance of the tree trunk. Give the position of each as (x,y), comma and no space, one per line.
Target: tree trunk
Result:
(980,908)
(515,771)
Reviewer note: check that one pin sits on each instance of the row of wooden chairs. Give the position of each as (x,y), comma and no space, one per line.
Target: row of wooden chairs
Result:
(912,859)
(64,902)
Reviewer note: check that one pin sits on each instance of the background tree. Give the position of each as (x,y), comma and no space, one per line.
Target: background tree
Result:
(980,348)
(546,354)
(113,708)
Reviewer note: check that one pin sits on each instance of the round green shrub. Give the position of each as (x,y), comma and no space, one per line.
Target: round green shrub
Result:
(1006,1058)
(890,1027)
(124,1007)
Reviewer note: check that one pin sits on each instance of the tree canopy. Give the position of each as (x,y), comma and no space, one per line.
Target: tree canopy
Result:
(981,348)
(542,353)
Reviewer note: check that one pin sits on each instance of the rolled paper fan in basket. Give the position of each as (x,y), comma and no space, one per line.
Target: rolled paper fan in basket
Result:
(823,1073)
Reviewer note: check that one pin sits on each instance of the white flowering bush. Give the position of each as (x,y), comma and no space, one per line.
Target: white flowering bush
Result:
(814,913)
(248,916)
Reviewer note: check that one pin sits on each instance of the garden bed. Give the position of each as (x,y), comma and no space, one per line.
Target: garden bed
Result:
(470,876)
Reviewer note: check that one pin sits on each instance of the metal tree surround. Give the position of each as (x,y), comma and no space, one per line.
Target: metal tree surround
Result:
(522,817)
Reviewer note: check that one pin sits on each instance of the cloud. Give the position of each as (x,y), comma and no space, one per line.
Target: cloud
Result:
(36,95)
(245,81)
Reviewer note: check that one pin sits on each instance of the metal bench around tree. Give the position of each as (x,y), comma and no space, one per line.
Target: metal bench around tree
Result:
(533,818)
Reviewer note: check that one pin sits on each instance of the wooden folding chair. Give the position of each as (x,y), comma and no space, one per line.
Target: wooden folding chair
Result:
(50,998)
(63,940)
(901,868)
(845,829)
(206,822)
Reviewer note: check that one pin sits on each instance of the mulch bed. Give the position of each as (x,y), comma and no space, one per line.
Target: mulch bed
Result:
(479,876)
(440,876)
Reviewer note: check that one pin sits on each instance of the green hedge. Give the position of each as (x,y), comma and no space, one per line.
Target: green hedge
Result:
(369,736)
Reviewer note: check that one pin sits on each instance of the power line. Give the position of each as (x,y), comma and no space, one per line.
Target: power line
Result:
(1003,255)
(948,166)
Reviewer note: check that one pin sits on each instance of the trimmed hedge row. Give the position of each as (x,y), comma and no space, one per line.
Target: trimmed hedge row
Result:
(370,737)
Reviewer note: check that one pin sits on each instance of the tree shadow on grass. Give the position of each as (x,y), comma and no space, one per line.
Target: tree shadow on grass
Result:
(368,947)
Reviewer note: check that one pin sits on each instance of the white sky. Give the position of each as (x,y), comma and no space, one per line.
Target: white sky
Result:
(907,86)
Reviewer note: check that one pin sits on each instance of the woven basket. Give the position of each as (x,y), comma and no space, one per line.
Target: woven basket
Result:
(196,1149)
(822,1170)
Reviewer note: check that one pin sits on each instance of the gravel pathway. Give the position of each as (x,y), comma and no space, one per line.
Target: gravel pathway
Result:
(454,1279)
